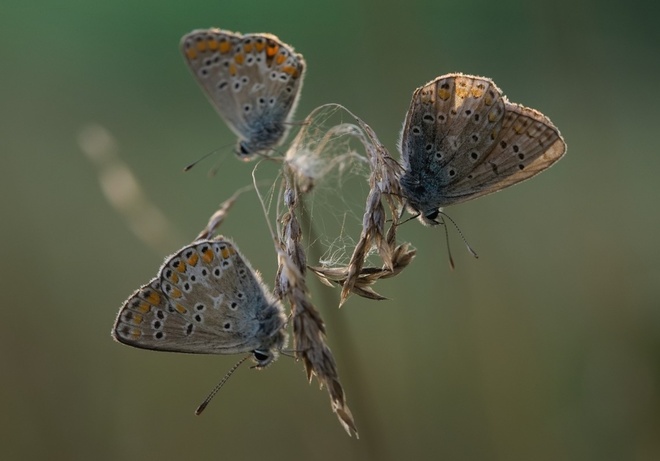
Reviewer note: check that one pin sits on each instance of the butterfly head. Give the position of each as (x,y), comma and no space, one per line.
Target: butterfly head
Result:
(272,335)
(430,218)
(264,357)
(420,201)
(265,137)
(270,350)
(244,150)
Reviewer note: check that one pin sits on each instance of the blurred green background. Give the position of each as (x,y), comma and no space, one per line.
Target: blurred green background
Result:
(547,347)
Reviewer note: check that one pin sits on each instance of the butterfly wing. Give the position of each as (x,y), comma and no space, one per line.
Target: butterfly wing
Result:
(148,321)
(449,126)
(206,300)
(253,81)
(443,116)
(527,144)
(462,139)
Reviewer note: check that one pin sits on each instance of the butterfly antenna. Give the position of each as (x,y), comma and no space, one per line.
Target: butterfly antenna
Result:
(402,212)
(207,155)
(215,390)
(474,253)
(409,219)
(214,169)
(451,258)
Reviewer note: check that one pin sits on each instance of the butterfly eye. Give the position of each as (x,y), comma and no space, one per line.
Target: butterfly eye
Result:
(432,215)
(260,356)
(242,149)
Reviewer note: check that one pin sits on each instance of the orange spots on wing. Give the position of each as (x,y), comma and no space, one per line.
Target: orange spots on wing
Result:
(477,92)
(461,92)
(207,255)
(224,46)
(193,259)
(232,69)
(153,298)
(213,44)
(271,49)
(444,94)
(191,54)
(144,307)
(180,309)
(292,71)
(239,58)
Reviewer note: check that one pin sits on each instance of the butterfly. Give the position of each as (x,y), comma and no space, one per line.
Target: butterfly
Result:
(463,139)
(253,81)
(206,299)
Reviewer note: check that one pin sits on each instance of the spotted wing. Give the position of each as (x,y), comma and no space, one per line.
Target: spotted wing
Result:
(527,144)
(449,126)
(252,80)
(462,139)
(206,300)
(146,320)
